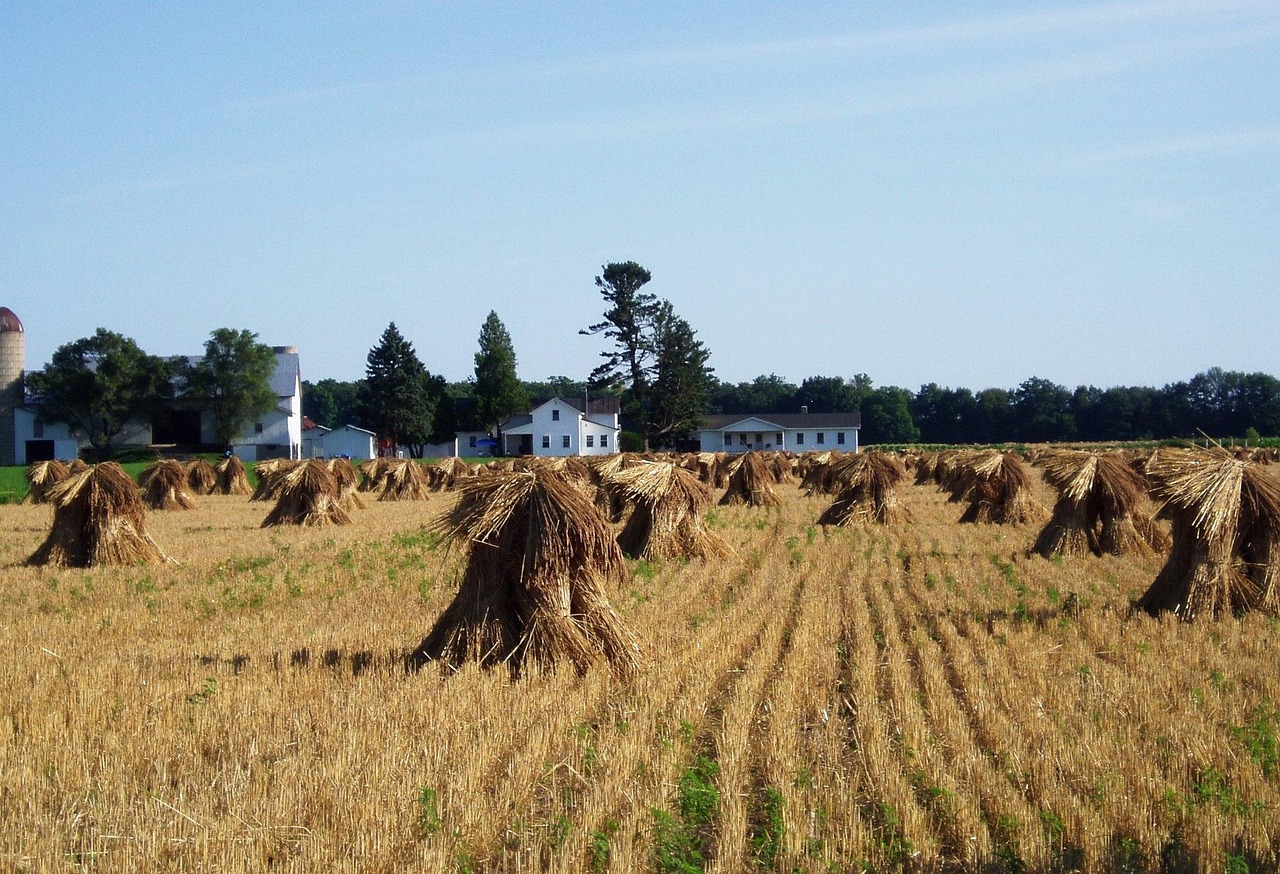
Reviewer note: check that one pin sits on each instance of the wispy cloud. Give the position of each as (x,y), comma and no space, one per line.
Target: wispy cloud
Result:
(992,32)
(1240,141)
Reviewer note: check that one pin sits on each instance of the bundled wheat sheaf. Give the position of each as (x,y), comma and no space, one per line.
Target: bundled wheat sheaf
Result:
(42,476)
(233,478)
(867,490)
(816,473)
(271,474)
(98,519)
(443,476)
(667,519)
(539,558)
(997,487)
(308,497)
(751,482)
(404,480)
(348,480)
(1226,534)
(202,479)
(164,486)
(1099,506)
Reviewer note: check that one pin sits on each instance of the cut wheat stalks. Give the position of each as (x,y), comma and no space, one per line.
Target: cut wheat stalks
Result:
(999,491)
(164,486)
(98,519)
(867,490)
(42,476)
(751,483)
(233,477)
(202,479)
(308,497)
(533,594)
(1226,534)
(667,520)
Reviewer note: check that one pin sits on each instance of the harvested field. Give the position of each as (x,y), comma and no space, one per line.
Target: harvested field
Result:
(915,696)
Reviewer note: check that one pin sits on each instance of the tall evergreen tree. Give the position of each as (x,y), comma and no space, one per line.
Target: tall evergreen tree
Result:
(498,391)
(682,381)
(628,323)
(397,396)
(232,381)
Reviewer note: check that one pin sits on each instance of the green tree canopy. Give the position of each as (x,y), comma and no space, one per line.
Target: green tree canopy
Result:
(682,380)
(232,381)
(886,416)
(330,402)
(628,324)
(397,398)
(498,391)
(98,384)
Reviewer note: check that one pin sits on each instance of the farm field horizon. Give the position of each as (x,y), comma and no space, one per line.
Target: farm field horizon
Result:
(915,696)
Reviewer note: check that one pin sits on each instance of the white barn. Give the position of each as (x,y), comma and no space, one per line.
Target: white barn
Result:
(793,432)
(559,427)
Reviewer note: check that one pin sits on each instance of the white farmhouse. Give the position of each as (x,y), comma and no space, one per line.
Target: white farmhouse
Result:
(561,427)
(793,432)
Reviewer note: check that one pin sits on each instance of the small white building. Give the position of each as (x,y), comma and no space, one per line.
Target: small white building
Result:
(792,432)
(560,427)
(355,443)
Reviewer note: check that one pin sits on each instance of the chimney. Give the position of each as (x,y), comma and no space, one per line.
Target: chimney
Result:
(804,408)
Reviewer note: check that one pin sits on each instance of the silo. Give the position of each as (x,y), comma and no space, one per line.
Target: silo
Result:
(13,358)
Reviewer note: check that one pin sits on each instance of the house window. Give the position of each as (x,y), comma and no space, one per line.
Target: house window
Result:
(472,441)
(564,441)
(591,441)
(555,415)
(728,439)
(779,439)
(37,430)
(822,437)
(799,438)
(742,439)
(546,441)
(604,440)
(257,428)
(840,438)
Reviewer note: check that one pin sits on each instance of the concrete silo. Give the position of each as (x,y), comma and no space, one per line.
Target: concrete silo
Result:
(13,358)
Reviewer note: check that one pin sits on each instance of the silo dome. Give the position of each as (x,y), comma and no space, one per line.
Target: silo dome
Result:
(9,321)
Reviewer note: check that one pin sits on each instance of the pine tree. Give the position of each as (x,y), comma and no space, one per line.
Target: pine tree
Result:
(682,381)
(397,396)
(628,323)
(498,391)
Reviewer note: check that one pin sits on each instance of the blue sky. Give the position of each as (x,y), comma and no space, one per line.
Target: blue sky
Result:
(969,194)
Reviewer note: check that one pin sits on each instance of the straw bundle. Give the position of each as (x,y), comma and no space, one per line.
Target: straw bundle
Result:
(202,479)
(816,477)
(667,522)
(445,473)
(233,478)
(308,497)
(373,472)
(1000,491)
(1226,534)
(98,519)
(533,592)
(348,480)
(43,476)
(751,483)
(164,486)
(77,465)
(405,480)
(271,474)
(868,492)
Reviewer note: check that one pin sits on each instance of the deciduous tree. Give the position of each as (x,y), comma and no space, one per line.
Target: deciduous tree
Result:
(232,382)
(97,384)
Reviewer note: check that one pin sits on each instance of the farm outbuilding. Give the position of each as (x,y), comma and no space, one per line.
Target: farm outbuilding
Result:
(351,441)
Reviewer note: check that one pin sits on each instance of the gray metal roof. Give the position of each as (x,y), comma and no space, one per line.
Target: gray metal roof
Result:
(785,421)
